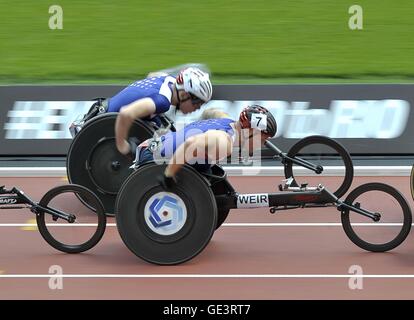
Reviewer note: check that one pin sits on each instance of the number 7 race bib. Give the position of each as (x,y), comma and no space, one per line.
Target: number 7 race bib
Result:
(259,121)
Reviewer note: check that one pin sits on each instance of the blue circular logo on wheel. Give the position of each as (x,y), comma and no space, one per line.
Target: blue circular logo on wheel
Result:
(165,213)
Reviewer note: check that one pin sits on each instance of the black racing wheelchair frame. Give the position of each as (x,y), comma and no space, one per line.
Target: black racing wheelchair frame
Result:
(10,199)
(301,197)
(16,199)
(286,159)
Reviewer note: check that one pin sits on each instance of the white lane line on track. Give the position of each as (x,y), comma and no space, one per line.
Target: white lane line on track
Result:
(208,276)
(310,224)
(232,171)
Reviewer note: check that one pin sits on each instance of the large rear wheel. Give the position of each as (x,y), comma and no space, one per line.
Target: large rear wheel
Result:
(93,160)
(165,226)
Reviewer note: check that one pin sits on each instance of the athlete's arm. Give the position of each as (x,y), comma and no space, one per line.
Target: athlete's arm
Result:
(212,145)
(136,110)
(213,113)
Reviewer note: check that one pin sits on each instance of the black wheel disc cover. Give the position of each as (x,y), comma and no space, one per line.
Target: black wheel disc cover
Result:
(186,243)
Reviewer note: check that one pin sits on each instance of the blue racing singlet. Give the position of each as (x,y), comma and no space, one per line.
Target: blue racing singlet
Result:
(172,140)
(159,89)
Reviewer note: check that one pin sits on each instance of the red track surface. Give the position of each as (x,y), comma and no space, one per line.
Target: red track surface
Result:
(287,253)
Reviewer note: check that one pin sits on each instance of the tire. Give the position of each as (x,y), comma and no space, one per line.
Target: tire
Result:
(317,156)
(403,205)
(98,214)
(176,235)
(94,162)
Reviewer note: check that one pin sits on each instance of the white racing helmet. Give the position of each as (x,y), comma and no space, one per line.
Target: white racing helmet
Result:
(195,82)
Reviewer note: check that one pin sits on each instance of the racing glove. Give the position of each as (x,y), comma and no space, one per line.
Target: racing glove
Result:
(133,144)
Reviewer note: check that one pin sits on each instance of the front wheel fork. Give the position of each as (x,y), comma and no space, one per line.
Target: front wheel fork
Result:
(375,216)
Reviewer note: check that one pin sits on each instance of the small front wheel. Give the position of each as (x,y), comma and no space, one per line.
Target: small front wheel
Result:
(87,229)
(395,217)
(332,164)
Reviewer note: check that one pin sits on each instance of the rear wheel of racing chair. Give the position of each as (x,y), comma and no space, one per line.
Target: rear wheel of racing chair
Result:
(71,237)
(93,160)
(165,227)
(327,154)
(395,220)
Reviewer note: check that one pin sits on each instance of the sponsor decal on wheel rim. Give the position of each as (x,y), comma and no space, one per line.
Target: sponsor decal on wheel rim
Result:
(165,213)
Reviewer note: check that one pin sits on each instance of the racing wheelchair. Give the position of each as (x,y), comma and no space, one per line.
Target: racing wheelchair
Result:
(172,226)
(93,160)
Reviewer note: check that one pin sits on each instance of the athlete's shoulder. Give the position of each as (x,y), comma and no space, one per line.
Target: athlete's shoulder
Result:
(160,79)
(152,82)
(211,125)
(220,121)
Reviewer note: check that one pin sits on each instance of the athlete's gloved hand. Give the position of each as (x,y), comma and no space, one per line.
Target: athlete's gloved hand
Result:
(130,148)
(133,144)
(166,182)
